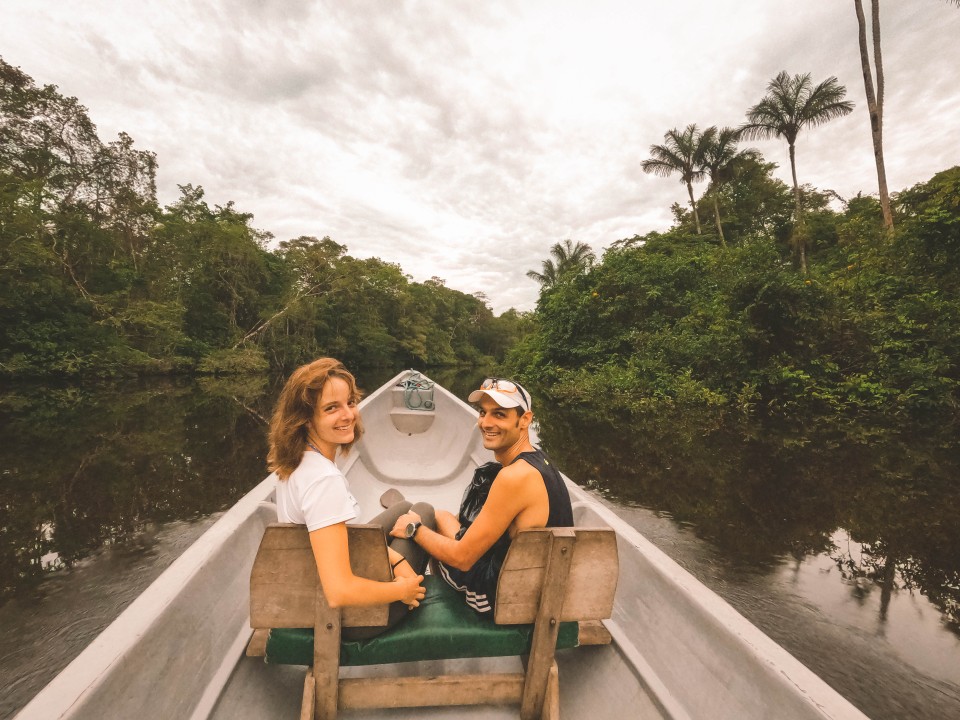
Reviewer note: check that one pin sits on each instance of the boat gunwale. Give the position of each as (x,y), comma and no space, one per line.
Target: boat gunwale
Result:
(87,672)
(813,690)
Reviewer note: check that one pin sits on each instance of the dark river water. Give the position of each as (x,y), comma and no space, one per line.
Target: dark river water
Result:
(846,552)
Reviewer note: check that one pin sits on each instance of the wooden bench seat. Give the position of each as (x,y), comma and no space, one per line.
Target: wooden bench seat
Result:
(555,586)
(444,627)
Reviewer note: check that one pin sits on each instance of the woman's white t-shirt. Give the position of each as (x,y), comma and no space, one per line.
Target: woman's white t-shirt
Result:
(316,494)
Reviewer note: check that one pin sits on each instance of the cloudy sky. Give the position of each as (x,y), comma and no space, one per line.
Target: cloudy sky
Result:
(462,139)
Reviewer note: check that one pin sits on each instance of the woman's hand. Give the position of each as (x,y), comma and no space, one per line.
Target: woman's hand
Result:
(412,590)
(400,527)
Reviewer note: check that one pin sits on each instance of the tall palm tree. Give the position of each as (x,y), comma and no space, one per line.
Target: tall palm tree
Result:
(566,257)
(682,152)
(721,159)
(875,99)
(791,104)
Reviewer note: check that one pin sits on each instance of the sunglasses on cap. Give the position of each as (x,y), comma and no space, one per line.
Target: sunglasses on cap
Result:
(508,386)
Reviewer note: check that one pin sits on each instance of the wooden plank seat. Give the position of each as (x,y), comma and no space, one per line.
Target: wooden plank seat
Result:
(555,586)
(442,628)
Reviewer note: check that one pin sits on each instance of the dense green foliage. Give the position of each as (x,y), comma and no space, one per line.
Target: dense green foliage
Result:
(764,406)
(96,277)
(675,321)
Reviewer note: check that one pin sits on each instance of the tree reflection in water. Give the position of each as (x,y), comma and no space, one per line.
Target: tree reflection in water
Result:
(760,493)
(85,467)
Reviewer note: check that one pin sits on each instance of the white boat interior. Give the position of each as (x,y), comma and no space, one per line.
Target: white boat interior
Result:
(679,651)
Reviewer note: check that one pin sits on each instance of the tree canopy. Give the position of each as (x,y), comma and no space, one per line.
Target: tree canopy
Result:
(96,277)
(669,320)
(566,259)
(683,152)
(791,104)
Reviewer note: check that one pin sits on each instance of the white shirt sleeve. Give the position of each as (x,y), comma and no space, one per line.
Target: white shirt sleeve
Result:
(316,495)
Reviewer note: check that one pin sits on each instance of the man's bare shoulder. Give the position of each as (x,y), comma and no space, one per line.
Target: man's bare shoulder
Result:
(516,474)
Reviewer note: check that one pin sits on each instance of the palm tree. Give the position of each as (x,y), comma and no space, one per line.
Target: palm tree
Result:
(567,257)
(547,278)
(875,99)
(791,104)
(721,159)
(683,152)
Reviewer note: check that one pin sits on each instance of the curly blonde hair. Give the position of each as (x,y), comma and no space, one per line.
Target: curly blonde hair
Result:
(290,424)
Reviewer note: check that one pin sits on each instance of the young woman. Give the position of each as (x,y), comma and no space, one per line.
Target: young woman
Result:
(316,417)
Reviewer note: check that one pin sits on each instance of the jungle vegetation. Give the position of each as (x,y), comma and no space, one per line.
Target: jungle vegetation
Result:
(799,308)
(680,320)
(97,278)
(715,381)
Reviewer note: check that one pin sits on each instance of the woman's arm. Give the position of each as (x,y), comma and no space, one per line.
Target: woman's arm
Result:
(342,587)
(401,567)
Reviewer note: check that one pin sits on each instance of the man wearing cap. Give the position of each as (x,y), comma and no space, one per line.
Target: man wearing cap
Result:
(522,489)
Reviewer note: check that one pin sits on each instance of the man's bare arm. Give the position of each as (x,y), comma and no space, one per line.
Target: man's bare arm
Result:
(508,497)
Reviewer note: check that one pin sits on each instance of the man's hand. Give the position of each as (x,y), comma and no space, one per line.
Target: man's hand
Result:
(400,528)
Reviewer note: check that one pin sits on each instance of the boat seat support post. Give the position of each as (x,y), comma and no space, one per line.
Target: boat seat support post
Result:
(309,703)
(326,658)
(551,702)
(541,662)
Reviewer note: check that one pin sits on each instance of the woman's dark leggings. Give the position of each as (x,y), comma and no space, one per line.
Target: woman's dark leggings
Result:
(414,554)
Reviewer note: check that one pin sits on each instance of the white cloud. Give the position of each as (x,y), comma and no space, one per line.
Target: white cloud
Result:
(463,139)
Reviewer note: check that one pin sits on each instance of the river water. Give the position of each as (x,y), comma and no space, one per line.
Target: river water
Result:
(847,554)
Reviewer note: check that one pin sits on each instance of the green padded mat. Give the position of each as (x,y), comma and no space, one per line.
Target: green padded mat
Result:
(442,628)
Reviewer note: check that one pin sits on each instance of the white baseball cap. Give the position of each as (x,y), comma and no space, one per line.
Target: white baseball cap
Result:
(504,393)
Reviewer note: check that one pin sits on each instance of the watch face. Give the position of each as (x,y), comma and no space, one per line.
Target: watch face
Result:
(411,529)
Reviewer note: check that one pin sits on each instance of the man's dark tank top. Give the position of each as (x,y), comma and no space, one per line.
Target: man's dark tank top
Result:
(561,512)
(479,583)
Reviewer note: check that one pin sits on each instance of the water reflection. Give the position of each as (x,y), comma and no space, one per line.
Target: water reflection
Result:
(85,467)
(760,499)
(845,552)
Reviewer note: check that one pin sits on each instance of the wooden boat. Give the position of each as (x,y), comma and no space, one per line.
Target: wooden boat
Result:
(678,650)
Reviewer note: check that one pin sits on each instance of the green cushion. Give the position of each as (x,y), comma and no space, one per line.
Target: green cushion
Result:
(442,628)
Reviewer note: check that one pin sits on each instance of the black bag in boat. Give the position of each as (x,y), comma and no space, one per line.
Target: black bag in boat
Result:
(476,494)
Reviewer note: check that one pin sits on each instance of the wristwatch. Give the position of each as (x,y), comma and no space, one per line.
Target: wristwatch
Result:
(411,530)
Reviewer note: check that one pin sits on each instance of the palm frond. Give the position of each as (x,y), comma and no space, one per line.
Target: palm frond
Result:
(792,103)
(682,152)
(664,162)
(826,102)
